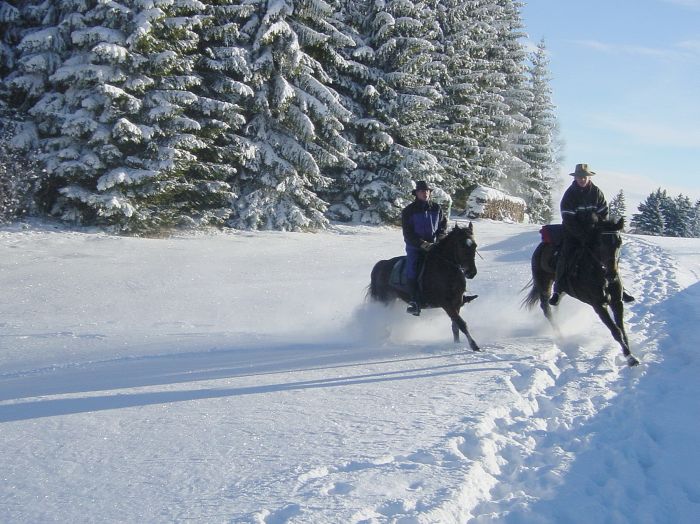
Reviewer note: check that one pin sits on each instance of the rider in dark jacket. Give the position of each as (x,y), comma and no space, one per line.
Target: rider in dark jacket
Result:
(582,206)
(423,224)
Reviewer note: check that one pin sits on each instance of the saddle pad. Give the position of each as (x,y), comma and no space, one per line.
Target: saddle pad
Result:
(398,277)
(552,234)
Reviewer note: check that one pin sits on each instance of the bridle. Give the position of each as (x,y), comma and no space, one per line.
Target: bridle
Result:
(456,262)
(601,264)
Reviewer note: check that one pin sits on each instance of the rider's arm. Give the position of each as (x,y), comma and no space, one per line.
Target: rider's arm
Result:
(569,217)
(602,206)
(442,225)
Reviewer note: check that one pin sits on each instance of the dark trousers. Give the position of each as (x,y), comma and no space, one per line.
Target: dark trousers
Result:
(566,262)
(414,264)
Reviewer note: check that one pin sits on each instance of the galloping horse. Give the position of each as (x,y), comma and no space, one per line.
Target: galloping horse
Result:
(446,268)
(595,281)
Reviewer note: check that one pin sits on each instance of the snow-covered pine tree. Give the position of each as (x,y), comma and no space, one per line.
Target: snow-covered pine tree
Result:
(117,119)
(20,178)
(696,220)
(453,133)
(10,31)
(492,117)
(367,193)
(402,101)
(539,140)
(617,206)
(42,45)
(517,95)
(294,131)
(69,115)
(225,91)
(679,217)
(168,176)
(651,217)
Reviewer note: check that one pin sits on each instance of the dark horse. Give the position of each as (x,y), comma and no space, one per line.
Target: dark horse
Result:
(446,268)
(594,281)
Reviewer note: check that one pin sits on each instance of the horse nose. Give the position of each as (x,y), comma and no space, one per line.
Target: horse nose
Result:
(471,273)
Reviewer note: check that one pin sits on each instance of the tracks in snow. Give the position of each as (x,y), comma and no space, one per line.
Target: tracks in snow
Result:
(495,466)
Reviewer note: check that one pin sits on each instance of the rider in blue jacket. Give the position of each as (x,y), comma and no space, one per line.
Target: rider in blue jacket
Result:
(423,224)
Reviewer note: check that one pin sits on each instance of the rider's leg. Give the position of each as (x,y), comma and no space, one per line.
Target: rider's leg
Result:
(562,263)
(414,303)
(412,268)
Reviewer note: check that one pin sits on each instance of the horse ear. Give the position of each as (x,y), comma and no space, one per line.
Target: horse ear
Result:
(470,227)
(620,223)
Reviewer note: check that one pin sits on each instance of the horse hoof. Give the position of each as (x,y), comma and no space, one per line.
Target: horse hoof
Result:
(632,361)
(476,348)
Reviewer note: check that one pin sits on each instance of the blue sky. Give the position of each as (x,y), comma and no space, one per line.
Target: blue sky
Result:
(626,83)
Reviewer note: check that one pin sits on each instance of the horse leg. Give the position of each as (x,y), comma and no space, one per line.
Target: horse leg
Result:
(617,334)
(618,310)
(461,325)
(544,286)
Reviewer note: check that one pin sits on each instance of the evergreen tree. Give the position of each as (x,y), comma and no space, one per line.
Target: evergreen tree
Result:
(294,131)
(41,48)
(651,218)
(9,29)
(517,96)
(679,217)
(259,113)
(617,207)
(539,142)
(696,220)
(403,98)
(365,193)
(20,178)
(453,134)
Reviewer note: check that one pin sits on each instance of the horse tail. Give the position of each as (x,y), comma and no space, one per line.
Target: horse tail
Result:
(535,284)
(373,288)
(370,293)
(378,288)
(532,298)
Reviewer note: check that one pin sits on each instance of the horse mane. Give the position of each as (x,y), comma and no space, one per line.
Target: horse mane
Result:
(456,229)
(610,224)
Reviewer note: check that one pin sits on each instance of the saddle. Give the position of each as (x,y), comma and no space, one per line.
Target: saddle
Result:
(398,280)
(552,238)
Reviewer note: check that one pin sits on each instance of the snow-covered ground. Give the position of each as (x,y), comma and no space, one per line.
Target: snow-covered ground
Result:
(243,378)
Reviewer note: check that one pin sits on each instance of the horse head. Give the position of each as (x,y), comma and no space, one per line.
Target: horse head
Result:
(459,245)
(606,244)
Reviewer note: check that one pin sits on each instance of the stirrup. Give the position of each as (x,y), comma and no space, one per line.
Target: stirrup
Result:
(413,308)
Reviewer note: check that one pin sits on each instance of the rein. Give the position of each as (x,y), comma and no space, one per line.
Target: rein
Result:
(594,257)
(455,262)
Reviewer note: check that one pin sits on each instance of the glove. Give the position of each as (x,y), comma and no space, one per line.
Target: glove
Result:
(426,246)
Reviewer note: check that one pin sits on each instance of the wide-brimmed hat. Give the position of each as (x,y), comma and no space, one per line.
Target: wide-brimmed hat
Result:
(582,170)
(421,185)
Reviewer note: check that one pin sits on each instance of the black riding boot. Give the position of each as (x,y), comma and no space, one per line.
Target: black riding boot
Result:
(414,304)
(559,275)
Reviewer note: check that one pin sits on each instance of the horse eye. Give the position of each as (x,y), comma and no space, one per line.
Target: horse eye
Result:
(470,242)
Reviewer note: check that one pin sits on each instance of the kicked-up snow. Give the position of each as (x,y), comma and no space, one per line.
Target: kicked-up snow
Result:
(243,377)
